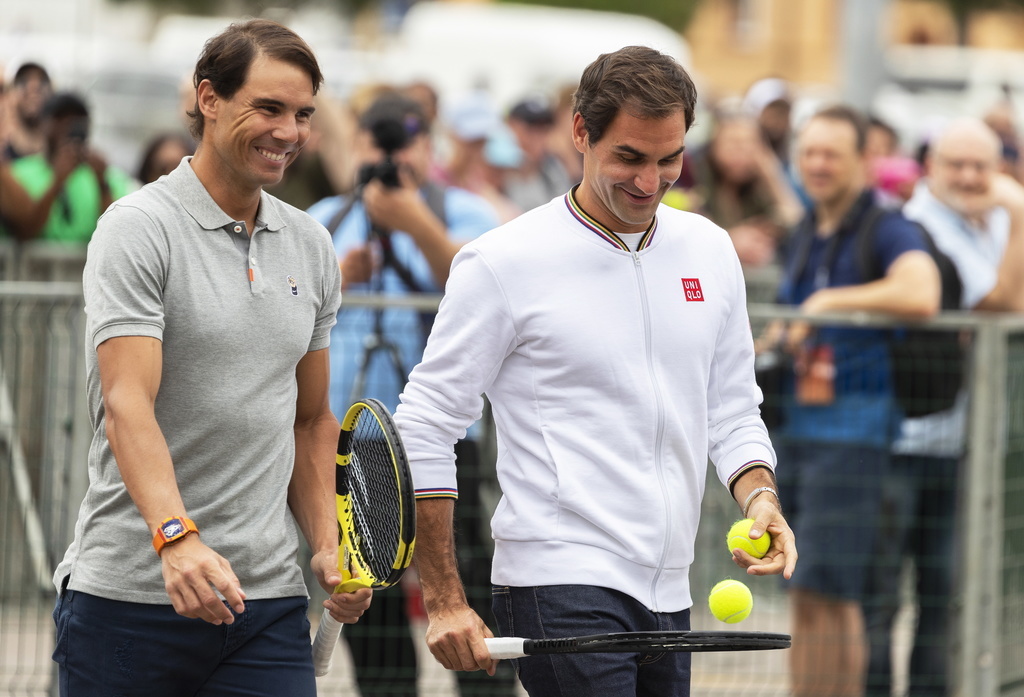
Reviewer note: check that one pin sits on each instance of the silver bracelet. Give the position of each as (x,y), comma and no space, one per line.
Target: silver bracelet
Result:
(755,492)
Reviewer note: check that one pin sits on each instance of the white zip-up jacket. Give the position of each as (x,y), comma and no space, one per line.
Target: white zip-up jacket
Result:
(612,375)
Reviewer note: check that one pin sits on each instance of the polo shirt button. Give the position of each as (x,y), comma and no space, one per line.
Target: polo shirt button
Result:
(252,260)
(238,228)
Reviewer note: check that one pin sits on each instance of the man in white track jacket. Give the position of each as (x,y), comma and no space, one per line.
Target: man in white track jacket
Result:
(610,335)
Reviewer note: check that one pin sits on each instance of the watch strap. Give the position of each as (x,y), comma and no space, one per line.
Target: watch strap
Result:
(171,530)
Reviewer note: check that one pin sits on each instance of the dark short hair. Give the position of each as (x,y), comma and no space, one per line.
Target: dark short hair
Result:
(147,164)
(25,72)
(649,83)
(64,105)
(845,113)
(226,58)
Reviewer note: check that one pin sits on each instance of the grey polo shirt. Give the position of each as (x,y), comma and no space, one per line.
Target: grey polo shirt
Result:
(235,315)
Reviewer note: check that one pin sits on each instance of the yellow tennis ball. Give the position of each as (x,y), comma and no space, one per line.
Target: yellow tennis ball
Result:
(739,538)
(730,601)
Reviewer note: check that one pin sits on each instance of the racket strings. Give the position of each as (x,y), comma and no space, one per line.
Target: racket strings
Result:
(374,490)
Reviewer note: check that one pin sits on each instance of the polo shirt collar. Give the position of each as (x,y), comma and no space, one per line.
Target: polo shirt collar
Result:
(198,203)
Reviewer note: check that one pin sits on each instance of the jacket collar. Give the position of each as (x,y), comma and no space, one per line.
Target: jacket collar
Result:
(589,222)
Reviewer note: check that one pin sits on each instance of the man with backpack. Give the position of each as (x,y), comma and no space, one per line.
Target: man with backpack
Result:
(839,412)
(975,216)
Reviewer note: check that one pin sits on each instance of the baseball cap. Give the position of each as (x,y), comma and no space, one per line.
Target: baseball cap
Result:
(502,149)
(764,92)
(473,117)
(535,110)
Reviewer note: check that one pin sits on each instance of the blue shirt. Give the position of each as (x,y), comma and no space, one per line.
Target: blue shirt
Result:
(467,216)
(864,409)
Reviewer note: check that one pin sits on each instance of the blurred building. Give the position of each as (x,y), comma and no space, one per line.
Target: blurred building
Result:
(735,42)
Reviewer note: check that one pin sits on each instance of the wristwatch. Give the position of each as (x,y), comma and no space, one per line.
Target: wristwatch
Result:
(173,530)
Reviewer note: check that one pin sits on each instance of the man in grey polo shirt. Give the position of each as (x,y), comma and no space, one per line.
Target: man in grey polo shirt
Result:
(209,306)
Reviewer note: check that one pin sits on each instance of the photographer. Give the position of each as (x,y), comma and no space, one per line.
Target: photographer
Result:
(395,234)
(69,183)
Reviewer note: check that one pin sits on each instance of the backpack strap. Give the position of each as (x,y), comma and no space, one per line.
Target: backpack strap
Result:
(867,233)
(952,287)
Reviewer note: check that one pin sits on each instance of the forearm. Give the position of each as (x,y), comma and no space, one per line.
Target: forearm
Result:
(29,216)
(438,249)
(143,459)
(1008,294)
(910,289)
(788,208)
(435,555)
(311,489)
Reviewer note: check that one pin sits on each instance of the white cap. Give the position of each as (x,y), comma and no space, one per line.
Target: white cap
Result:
(764,92)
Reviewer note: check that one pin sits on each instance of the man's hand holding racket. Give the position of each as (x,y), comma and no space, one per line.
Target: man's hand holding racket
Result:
(455,637)
(344,607)
(376,522)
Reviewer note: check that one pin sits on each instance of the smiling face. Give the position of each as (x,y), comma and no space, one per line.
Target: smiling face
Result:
(627,172)
(962,165)
(250,138)
(831,167)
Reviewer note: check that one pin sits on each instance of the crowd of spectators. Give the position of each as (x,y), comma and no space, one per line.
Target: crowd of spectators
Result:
(741,177)
(471,165)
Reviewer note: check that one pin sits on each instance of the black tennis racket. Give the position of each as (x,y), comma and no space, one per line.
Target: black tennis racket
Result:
(376,512)
(639,642)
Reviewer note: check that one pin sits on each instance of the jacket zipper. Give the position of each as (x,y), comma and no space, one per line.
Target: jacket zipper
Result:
(660,432)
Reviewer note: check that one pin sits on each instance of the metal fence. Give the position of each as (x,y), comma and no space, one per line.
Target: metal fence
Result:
(44,435)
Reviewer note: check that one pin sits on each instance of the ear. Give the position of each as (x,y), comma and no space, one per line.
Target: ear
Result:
(580,138)
(207,99)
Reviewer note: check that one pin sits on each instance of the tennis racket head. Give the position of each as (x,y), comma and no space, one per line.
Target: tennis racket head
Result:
(374,496)
(660,642)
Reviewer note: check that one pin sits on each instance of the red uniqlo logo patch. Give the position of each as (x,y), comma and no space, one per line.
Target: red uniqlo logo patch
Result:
(691,287)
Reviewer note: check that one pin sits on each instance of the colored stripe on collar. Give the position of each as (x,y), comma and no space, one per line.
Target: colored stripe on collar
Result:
(600,230)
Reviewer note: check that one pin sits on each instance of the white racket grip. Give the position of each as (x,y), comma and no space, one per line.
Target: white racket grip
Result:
(324,642)
(506,647)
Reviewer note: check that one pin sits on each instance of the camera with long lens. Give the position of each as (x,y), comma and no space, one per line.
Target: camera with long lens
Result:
(390,135)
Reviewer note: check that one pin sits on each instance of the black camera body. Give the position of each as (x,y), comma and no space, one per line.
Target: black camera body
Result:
(390,135)
(384,171)
(78,130)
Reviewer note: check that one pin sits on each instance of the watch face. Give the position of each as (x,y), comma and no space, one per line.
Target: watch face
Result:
(172,528)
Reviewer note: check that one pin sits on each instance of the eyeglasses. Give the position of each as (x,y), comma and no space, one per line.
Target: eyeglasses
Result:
(959,165)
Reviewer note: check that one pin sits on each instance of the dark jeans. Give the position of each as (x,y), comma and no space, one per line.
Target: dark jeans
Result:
(564,611)
(918,523)
(108,647)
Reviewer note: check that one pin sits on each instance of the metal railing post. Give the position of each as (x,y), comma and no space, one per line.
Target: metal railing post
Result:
(982,543)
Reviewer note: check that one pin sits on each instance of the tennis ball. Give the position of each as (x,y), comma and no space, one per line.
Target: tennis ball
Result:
(739,538)
(730,601)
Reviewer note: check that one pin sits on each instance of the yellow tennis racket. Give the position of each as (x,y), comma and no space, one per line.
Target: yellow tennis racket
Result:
(376,512)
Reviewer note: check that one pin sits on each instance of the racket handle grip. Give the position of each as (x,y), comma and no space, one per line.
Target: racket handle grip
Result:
(324,642)
(506,647)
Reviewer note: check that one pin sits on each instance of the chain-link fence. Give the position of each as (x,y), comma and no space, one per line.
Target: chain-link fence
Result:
(44,435)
